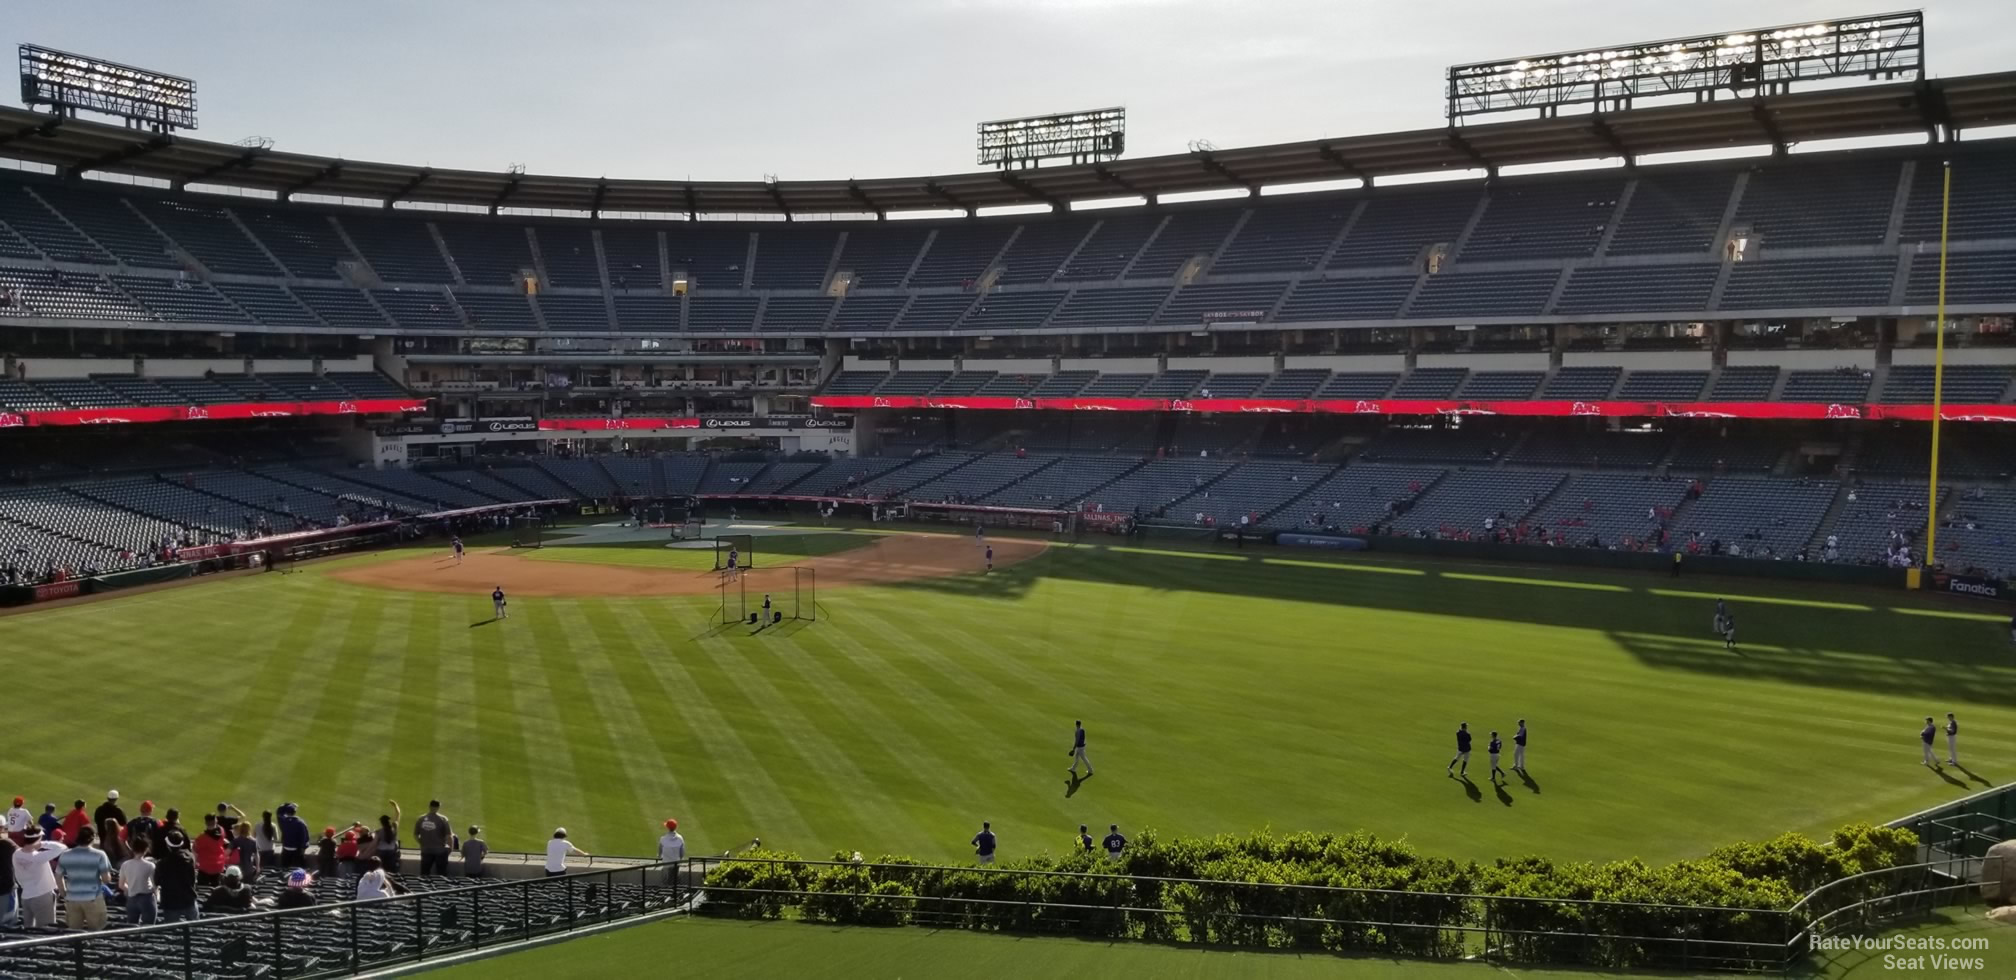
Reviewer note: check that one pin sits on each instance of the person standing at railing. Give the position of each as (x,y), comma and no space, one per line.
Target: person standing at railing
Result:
(436,837)
(213,854)
(474,850)
(293,837)
(85,871)
(557,851)
(10,911)
(388,836)
(671,848)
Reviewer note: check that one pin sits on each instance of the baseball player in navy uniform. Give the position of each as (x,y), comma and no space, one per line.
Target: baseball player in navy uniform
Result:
(497,603)
(1728,632)
(1114,843)
(1078,751)
(1497,745)
(1952,739)
(983,843)
(1519,748)
(1462,748)
(766,609)
(1084,839)
(734,556)
(990,557)
(456,542)
(1931,732)
(979,534)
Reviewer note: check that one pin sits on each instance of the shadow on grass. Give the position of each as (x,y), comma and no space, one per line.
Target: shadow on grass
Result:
(1846,637)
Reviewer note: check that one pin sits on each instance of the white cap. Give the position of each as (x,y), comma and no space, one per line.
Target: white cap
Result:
(111,794)
(562,831)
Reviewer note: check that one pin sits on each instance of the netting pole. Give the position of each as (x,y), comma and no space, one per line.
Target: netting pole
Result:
(1938,374)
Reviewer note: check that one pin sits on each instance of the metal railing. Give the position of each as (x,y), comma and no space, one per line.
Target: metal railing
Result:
(1502,929)
(345,938)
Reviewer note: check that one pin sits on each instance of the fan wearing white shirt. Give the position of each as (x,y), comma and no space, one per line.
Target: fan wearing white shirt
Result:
(557,851)
(35,875)
(671,848)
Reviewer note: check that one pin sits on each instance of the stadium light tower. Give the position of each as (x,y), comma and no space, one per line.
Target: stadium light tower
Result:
(68,82)
(1765,60)
(1087,136)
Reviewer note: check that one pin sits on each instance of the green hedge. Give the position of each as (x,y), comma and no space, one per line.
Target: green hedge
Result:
(1401,903)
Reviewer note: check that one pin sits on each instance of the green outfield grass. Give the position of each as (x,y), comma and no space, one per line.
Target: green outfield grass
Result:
(1223,691)
(724,949)
(771,549)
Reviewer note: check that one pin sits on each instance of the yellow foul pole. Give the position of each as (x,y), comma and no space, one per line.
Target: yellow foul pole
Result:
(1938,373)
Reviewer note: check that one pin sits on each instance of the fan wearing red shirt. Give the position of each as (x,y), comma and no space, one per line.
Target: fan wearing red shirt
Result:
(77,819)
(213,855)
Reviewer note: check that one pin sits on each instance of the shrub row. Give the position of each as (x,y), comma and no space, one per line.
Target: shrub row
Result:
(1392,901)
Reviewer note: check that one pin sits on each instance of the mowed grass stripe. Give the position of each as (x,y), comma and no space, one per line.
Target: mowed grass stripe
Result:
(948,747)
(769,811)
(377,696)
(646,769)
(457,741)
(332,716)
(781,716)
(560,718)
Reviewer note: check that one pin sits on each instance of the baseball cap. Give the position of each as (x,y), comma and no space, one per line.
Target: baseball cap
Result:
(18,801)
(559,831)
(234,871)
(111,794)
(146,806)
(671,825)
(297,878)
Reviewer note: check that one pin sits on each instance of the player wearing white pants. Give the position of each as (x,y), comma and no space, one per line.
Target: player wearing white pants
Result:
(497,604)
(1925,738)
(1078,751)
(1952,739)
(1519,748)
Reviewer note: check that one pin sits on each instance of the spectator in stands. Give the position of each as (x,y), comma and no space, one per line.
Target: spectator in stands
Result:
(671,847)
(293,837)
(112,840)
(10,912)
(213,853)
(18,821)
(557,851)
(35,876)
(136,882)
(436,837)
(350,850)
(474,850)
(77,819)
(108,810)
(297,895)
(388,836)
(231,896)
(144,826)
(171,823)
(174,870)
(375,882)
(85,871)
(266,839)
(245,851)
(328,853)
(228,816)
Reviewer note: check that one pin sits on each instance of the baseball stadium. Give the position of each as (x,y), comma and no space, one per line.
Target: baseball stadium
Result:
(595,576)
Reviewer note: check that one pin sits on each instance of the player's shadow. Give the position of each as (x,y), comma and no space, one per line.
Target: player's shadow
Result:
(1971,774)
(1504,796)
(1071,784)
(482,622)
(1470,789)
(1947,776)
(1527,778)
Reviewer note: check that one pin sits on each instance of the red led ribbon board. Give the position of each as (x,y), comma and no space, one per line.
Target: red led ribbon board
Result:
(185,413)
(599,425)
(1403,406)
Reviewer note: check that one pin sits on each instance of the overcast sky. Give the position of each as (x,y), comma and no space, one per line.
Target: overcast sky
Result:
(737,89)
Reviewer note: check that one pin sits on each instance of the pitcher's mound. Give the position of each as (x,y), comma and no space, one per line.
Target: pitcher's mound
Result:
(891,558)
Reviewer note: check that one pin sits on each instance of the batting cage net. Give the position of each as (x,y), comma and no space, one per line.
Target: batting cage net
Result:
(528,532)
(764,596)
(742,545)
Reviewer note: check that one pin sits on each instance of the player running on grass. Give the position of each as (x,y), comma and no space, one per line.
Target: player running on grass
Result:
(1497,745)
(1462,748)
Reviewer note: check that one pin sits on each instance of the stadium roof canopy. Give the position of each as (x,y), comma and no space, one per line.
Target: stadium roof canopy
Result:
(1954,104)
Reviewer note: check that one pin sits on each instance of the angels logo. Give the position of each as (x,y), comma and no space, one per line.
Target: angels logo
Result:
(1025,403)
(1585,408)
(1844,411)
(196,412)
(346,408)
(1365,408)
(1180,405)
(9,420)
(615,423)
(880,402)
